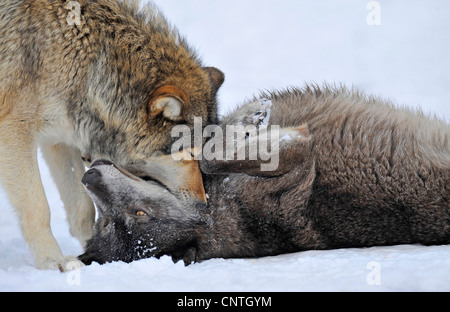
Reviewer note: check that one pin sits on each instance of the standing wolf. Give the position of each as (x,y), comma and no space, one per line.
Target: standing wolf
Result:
(96,78)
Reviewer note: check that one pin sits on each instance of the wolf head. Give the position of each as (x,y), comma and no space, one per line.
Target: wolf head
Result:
(138,81)
(140,218)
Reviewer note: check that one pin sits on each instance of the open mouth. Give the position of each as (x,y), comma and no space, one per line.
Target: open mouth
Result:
(145,178)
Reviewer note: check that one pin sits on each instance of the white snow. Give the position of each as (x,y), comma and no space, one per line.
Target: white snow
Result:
(262,45)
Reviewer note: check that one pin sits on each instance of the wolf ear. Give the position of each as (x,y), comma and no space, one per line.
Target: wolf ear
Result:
(168,101)
(216,76)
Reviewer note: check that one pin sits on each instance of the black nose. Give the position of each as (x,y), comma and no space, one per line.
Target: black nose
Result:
(91,177)
(101,162)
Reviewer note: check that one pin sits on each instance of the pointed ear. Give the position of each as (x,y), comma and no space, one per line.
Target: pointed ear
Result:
(168,101)
(216,76)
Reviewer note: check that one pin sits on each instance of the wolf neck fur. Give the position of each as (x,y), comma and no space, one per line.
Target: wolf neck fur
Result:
(234,229)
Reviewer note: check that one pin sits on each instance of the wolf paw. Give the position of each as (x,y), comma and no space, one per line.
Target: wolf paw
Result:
(65,264)
(256,113)
(70,263)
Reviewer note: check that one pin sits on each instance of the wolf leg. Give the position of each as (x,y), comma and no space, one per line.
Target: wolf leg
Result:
(21,179)
(67,170)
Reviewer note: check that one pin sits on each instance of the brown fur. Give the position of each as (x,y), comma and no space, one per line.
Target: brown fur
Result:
(88,89)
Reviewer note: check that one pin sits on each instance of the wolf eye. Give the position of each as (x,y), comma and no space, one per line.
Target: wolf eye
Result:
(140,213)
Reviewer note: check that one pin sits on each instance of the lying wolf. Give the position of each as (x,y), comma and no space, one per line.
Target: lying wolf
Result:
(362,173)
(88,78)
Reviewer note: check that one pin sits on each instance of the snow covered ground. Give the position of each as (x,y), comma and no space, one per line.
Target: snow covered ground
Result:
(268,44)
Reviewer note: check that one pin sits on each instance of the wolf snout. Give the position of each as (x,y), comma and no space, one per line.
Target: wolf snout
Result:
(91,177)
(94,175)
